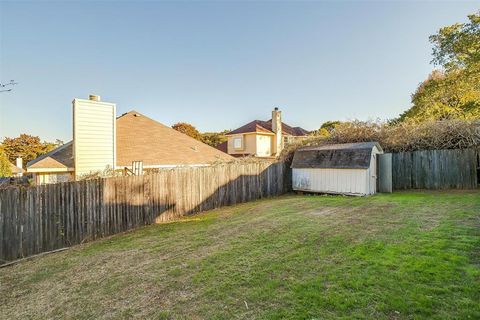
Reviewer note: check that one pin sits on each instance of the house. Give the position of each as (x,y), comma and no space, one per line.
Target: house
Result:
(349,168)
(262,138)
(17,170)
(103,141)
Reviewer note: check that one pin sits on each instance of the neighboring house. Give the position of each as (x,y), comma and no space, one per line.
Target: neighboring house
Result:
(349,168)
(17,170)
(263,138)
(102,141)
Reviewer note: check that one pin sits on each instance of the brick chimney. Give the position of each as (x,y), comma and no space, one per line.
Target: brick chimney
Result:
(277,130)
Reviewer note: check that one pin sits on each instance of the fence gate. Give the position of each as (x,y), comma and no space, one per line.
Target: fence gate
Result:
(384,168)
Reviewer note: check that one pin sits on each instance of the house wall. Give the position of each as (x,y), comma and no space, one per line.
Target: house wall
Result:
(249,144)
(94,129)
(264,145)
(53,177)
(257,144)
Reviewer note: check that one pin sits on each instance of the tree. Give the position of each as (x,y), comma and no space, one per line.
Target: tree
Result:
(214,138)
(326,129)
(5,169)
(458,46)
(454,91)
(26,146)
(446,95)
(188,129)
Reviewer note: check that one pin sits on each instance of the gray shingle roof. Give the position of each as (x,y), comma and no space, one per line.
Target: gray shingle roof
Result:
(335,156)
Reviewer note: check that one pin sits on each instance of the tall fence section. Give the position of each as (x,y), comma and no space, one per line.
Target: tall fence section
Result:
(48,217)
(436,169)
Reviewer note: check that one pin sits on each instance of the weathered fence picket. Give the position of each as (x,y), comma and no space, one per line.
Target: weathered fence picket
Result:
(48,217)
(435,169)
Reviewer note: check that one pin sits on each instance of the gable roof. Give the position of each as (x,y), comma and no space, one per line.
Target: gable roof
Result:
(15,169)
(266,127)
(140,138)
(59,158)
(335,156)
(222,146)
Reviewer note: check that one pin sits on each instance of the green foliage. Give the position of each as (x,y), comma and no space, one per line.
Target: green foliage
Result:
(26,146)
(458,46)
(211,138)
(325,129)
(446,95)
(5,169)
(188,129)
(214,138)
(399,137)
(454,92)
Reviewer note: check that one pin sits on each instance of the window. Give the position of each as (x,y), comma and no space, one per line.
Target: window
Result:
(237,143)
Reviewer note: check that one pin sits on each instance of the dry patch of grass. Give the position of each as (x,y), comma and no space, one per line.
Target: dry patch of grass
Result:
(399,256)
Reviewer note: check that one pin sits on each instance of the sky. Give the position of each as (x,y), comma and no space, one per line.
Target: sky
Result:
(215,64)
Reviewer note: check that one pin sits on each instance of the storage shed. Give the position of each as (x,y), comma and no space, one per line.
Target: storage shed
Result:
(349,168)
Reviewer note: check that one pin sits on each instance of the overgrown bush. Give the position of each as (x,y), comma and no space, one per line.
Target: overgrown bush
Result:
(406,136)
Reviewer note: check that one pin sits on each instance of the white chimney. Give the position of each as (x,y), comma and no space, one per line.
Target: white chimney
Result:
(277,130)
(94,131)
(20,165)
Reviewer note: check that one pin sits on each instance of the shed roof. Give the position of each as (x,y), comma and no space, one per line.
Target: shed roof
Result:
(336,156)
(346,146)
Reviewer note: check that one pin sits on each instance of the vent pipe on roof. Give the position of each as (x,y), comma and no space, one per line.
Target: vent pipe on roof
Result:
(94,97)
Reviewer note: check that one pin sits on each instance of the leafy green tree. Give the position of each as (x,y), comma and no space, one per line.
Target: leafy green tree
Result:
(26,146)
(214,138)
(454,91)
(326,129)
(188,129)
(458,46)
(5,169)
(452,95)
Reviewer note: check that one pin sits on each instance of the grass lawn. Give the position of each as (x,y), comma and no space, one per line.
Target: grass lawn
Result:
(399,256)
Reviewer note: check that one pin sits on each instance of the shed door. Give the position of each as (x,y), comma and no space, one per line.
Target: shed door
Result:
(373,175)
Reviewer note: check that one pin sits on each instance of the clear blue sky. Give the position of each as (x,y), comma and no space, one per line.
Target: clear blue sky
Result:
(216,65)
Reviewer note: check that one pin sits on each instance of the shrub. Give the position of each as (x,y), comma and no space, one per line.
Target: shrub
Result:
(405,136)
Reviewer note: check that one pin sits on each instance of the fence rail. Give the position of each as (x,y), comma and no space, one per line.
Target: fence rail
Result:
(48,217)
(436,169)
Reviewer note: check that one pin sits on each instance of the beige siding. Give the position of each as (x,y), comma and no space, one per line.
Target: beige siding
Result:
(264,145)
(50,177)
(249,145)
(94,136)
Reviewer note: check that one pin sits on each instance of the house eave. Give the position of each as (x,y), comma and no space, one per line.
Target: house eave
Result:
(48,170)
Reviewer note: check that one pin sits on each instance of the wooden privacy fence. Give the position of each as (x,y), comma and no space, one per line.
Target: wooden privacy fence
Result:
(436,169)
(48,217)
